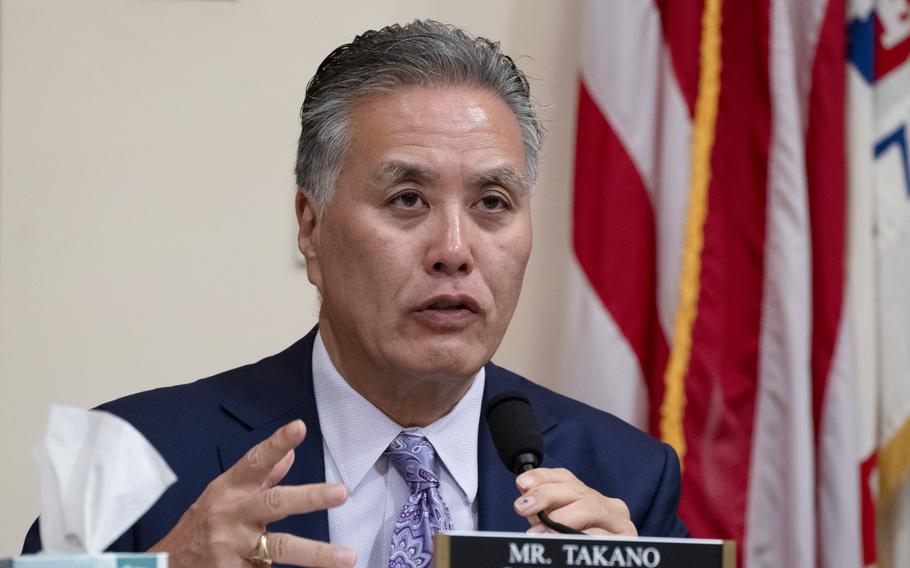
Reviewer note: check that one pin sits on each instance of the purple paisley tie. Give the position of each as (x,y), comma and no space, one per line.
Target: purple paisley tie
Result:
(424,514)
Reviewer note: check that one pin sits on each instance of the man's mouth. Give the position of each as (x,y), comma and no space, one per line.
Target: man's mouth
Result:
(451,303)
(446,306)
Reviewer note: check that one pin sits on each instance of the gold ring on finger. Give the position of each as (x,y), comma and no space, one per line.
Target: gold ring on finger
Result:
(260,555)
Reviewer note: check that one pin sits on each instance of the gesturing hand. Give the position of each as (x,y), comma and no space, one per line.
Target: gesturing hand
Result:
(570,502)
(221,528)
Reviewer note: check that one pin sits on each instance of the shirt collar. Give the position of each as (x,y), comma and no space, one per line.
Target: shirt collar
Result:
(356,433)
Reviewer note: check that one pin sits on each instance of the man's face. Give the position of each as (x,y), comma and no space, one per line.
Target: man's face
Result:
(421,251)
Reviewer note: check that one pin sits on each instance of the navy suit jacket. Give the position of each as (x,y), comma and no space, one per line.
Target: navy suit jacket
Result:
(201,429)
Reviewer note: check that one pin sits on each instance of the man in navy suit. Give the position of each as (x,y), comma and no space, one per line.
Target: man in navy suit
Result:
(418,151)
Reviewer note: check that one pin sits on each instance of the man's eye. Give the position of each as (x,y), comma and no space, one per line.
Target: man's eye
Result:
(493,203)
(408,200)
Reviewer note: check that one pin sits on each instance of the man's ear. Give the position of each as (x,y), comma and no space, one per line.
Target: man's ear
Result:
(308,225)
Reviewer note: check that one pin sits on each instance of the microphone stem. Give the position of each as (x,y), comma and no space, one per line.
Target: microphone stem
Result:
(558,527)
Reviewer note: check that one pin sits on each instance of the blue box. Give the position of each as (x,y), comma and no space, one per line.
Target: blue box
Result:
(107,560)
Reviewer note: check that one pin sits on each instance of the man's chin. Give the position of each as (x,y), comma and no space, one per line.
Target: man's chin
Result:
(445,359)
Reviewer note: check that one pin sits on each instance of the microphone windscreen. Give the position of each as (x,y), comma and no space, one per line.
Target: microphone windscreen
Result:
(514,430)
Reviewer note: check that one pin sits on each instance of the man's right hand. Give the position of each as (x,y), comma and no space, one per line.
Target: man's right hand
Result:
(223,526)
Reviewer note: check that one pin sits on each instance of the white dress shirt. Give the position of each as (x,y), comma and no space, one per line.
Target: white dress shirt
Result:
(355,434)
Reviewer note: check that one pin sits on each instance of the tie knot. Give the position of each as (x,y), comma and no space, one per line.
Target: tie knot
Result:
(413,457)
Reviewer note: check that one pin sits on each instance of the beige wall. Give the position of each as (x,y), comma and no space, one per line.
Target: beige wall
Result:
(146,221)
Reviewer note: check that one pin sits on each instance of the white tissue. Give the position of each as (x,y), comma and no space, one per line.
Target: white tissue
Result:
(98,475)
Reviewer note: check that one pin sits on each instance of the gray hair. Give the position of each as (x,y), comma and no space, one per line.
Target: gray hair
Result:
(422,53)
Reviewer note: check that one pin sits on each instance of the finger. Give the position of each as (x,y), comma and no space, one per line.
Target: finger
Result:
(280,470)
(549,496)
(284,500)
(254,467)
(288,549)
(609,515)
(535,477)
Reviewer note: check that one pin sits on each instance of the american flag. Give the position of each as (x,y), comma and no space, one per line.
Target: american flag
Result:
(709,299)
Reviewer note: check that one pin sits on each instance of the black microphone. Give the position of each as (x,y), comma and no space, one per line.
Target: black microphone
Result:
(518,441)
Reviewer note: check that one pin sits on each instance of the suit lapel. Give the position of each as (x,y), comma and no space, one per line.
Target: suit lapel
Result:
(283,392)
(497,490)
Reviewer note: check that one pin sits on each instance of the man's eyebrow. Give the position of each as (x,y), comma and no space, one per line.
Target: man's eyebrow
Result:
(393,172)
(504,176)
(398,171)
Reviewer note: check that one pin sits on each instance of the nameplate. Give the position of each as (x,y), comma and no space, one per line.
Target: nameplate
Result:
(464,549)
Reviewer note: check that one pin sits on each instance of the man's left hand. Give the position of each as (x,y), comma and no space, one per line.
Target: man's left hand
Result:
(570,502)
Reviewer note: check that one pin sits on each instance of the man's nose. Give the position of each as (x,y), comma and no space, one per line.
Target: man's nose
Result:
(449,249)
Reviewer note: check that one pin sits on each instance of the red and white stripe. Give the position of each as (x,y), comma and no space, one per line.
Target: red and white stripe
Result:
(619,179)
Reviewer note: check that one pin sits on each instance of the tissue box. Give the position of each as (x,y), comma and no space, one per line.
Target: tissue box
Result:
(109,560)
